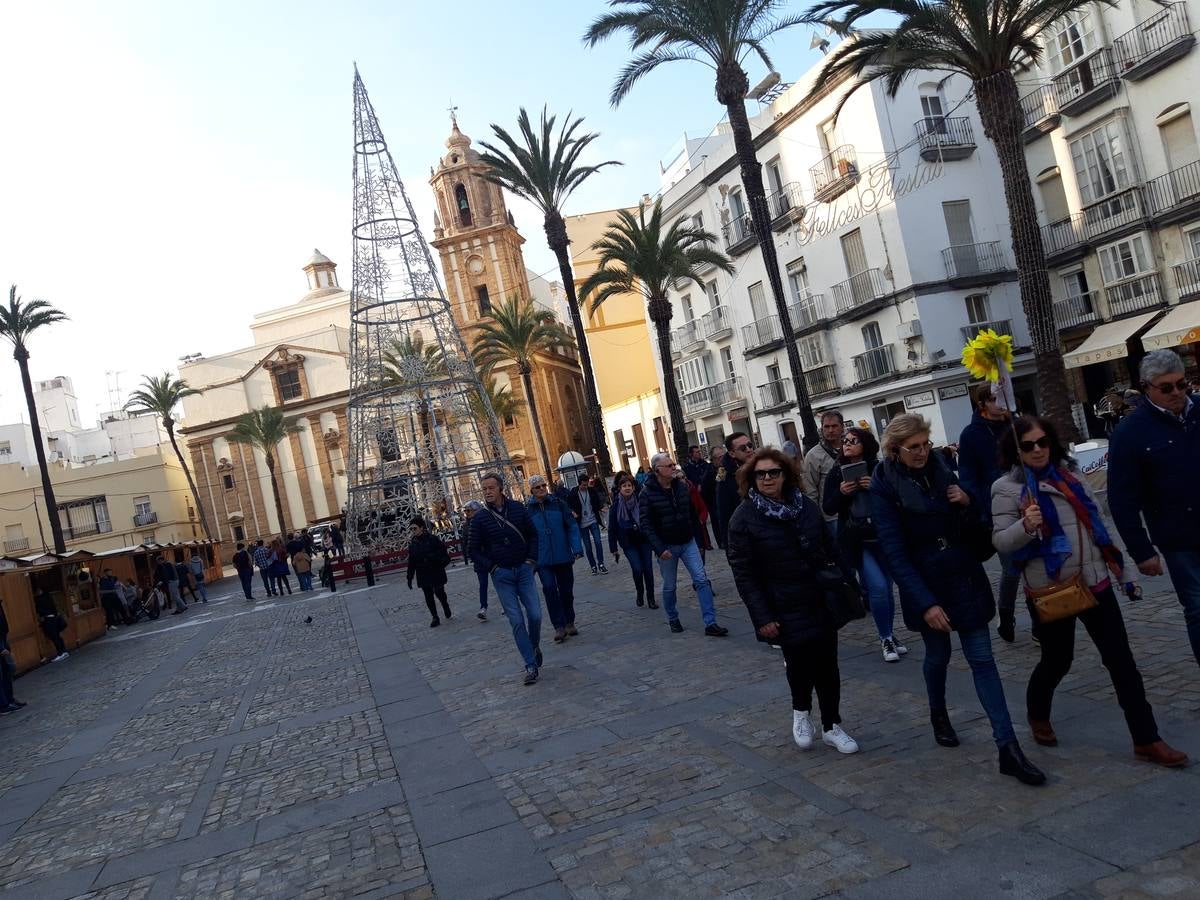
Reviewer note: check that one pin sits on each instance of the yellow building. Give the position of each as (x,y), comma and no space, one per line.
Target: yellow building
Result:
(101,507)
(626,372)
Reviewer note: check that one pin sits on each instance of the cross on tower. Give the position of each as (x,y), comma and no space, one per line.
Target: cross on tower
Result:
(452,110)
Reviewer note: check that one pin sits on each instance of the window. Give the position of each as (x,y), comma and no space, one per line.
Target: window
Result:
(5,448)
(1125,259)
(83,517)
(239,533)
(227,481)
(774,177)
(1070,39)
(141,505)
(977,309)
(758,301)
(773,373)
(698,221)
(827,135)
(464,205)
(696,373)
(689,314)
(1178,138)
(714,295)
(812,351)
(1075,283)
(854,253)
(1192,242)
(797,274)
(1101,166)
(933,111)
(871,336)
(485,303)
(287,382)
(147,537)
(727,363)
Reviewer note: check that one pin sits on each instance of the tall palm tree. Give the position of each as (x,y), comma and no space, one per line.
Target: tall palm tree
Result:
(505,404)
(264,429)
(160,394)
(987,41)
(517,332)
(543,167)
(18,322)
(641,256)
(721,34)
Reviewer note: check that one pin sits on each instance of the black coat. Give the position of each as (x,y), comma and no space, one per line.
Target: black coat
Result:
(666,516)
(925,542)
(775,565)
(726,491)
(427,560)
(504,538)
(599,502)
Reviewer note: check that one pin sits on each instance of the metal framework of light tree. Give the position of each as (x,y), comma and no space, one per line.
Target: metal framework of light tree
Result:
(422,429)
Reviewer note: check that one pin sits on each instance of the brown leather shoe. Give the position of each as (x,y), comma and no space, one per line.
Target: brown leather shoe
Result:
(1162,754)
(1043,733)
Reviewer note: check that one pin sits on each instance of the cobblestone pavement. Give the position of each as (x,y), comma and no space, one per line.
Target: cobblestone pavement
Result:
(241,752)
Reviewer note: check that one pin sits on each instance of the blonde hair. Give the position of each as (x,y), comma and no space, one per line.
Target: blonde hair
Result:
(900,429)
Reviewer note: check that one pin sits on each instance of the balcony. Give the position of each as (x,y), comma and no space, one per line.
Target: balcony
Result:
(16,545)
(970,264)
(142,519)
(835,174)
(775,395)
(1125,211)
(859,290)
(82,531)
(1133,295)
(1064,240)
(1187,279)
(703,401)
(1175,196)
(1087,83)
(787,206)
(687,338)
(1000,326)
(716,324)
(762,335)
(1154,43)
(945,139)
(821,380)
(1041,112)
(739,235)
(1078,309)
(879,362)
(808,310)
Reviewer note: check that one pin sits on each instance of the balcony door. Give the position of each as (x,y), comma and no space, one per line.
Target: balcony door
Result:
(934,113)
(957,214)
(855,255)
(775,187)
(758,301)
(1178,136)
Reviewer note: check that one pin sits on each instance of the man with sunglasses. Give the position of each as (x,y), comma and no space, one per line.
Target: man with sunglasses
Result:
(1154,482)
(739,449)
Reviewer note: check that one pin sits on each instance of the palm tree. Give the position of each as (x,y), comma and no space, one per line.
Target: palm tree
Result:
(543,168)
(264,429)
(987,41)
(517,332)
(721,34)
(18,322)
(505,404)
(160,394)
(638,255)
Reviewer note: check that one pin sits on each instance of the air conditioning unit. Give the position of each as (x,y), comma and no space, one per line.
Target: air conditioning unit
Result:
(906,331)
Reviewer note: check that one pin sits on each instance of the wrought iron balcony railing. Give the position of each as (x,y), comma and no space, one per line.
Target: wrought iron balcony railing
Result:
(879,362)
(821,380)
(945,138)
(809,309)
(687,337)
(1040,107)
(761,333)
(774,394)
(835,174)
(716,323)
(1000,326)
(1133,294)
(967,260)
(1187,278)
(1063,236)
(859,290)
(1176,190)
(1076,310)
(148,518)
(787,205)
(15,545)
(1114,212)
(1090,81)
(1154,42)
(739,234)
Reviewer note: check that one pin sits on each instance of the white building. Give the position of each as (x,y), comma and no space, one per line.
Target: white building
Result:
(1112,145)
(893,243)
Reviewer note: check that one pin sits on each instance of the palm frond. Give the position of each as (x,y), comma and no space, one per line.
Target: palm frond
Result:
(20,319)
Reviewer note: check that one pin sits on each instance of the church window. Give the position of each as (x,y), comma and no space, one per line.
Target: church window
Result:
(239,533)
(485,304)
(287,382)
(464,206)
(227,480)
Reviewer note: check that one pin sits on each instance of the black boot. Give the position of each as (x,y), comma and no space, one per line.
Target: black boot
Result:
(1014,763)
(943,731)
(650,602)
(1007,629)
(446,609)
(641,601)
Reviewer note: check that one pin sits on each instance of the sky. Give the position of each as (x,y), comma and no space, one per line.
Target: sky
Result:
(167,168)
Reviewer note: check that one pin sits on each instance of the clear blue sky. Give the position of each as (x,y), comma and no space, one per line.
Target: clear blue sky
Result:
(166,168)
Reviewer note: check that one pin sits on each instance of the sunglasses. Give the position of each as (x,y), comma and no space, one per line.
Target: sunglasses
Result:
(742,448)
(764,474)
(851,441)
(920,448)
(1030,446)
(1170,387)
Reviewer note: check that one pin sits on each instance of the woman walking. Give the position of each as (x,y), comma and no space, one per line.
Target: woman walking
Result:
(302,563)
(848,497)
(427,561)
(625,536)
(777,545)
(926,524)
(1048,521)
(279,567)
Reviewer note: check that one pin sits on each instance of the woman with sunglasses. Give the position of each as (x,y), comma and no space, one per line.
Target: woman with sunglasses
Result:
(1048,520)
(776,545)
(850,500)
(925,520)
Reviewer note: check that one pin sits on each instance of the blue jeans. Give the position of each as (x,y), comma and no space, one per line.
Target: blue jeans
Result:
(641,564)
(689,555)
(590,534)
(200,587)
(483,589)
(558,584)
(877,585)
(1184,569)
(519,597)
(247,579)
(976,646)
(831,529)
(268,581)
(1010,583)
(305,579)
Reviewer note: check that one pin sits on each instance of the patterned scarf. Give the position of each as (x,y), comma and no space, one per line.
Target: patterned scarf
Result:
(774,509)
(627,510)
(1053,546)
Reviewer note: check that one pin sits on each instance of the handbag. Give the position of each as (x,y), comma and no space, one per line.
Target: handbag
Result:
(1061,599)
(843,599)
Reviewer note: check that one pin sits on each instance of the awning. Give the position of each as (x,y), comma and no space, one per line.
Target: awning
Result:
(1181,325)
(1108,341)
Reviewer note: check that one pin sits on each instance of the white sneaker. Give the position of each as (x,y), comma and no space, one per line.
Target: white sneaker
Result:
(890,653)
(61,657)
(900,648)
(840,741)
(802,729)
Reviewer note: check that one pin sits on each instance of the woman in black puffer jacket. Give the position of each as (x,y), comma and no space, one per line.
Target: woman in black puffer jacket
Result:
(776,546)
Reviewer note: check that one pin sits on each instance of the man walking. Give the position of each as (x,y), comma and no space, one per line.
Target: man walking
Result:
(504,542)
(558,548)
(697,467)
(167,578)
(1154,478)
(263,559)
(245,569)
(588,503)
(110,599)
(668,520)
(978,469)
(196,564)
(820,460)
(738,449)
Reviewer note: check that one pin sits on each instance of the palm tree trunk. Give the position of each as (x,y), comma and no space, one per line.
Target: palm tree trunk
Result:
(660,314)
(731,91)
(275,490)
(556,236)
(56,532)
(535,417)
(1003,121)
(169,424)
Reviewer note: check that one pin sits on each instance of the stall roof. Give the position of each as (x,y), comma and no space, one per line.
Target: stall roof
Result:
(1181,325)
(1108,341)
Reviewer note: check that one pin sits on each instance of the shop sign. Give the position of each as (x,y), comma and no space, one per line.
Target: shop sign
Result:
(916,401)
(950,391)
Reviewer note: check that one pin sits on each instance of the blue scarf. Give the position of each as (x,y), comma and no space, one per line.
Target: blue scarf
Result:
(775,509)
(627,510)
(1053,545)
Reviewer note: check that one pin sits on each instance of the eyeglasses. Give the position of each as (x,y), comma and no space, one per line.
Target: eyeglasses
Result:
(920,448)
(1170,387)
(666,466)
(1030,446)
(743,448)
(540,487)
(765,474)
(850,441)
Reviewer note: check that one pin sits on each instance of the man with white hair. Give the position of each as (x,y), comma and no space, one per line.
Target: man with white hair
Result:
(1154,482)
(669,522)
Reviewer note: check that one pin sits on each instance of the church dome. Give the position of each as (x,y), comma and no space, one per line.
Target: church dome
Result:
(318,259)
(460,148)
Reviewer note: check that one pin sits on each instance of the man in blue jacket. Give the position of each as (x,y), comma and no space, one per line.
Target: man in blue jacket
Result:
(1153,478)
(559,545)
(504,543)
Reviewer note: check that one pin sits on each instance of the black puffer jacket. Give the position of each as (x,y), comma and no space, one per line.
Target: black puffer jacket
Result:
(427,560)
(666,517)
(775,565)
